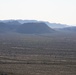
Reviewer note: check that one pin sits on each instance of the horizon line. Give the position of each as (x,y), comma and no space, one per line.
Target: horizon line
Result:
(38,20)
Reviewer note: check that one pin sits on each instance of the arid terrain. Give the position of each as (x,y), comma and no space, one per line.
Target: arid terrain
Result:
(22,54)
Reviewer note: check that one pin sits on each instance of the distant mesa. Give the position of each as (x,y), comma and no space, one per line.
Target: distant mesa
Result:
(32,27)
(3,27)
(35,28)
(69,29)
(25,28)
(8,27)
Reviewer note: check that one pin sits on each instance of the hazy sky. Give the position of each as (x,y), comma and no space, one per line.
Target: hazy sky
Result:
(58,11)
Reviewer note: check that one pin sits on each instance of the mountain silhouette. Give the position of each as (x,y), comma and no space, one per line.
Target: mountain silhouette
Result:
(26,28)
(69,29)
(4,27)
(34,28)
(8,27)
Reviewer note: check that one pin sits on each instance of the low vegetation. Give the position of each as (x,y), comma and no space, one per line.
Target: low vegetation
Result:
(22,54)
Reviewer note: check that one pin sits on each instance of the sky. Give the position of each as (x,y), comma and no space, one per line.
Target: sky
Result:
(54,11)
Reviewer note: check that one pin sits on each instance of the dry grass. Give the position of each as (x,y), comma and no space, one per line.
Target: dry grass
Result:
(37,65)
(37,55)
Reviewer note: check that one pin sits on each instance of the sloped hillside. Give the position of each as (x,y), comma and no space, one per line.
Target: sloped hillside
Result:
(31,28)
